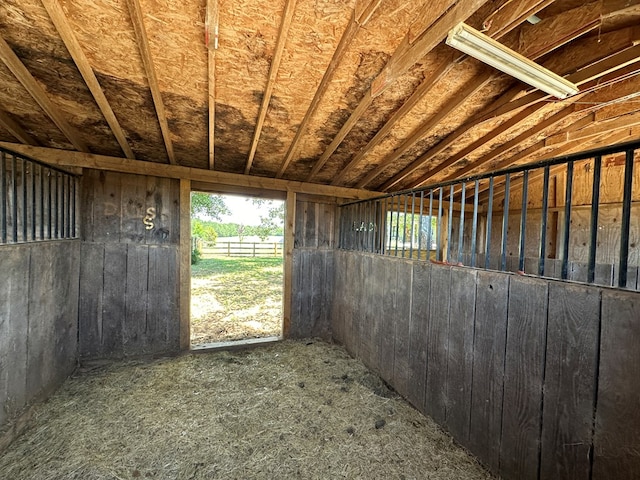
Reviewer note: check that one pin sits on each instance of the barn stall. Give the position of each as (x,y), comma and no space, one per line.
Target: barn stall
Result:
(472,239)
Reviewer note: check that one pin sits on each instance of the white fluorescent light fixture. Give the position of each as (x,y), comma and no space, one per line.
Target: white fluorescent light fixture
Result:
(478,45)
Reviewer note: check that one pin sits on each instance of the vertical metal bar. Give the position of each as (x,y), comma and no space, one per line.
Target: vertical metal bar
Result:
(68,186)
(543,224)
(74,204)
(430,226)
(57,204)
(390,217)
(14,196)
(567,222)
(41,170)
(420,224)
(593,230)
(32,169)
(49,206)
(404,225)
(25,211)
(3,195)
(626,219)
(413,209)
(439,228)
(523,220)
(463,199)
(450,223)
(61,181)
(397,226)
(505,222)
(474,224)
(487,246)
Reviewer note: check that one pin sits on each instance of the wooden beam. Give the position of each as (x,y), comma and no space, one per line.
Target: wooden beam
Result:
(61,23)
(138,167)
(211,44)
(619,46)
(433,30)
(23,75)
(283,33)
(513,143)
(504,20)
(145,53)
(594,129)
(184,287)
(358,19)
(9,124)
(507,14)
(289,240)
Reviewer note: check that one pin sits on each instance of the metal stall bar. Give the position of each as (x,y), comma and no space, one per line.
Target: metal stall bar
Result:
(474,223)
(543,222)
(3,196)
(439,228)
(33,201)
(487,249)
(450,222)
(404,226)
(68,186)
(49,207)
(505,222)
(430,226)
(593,228)
(420,224)
(567,222)
(25,210)
(626,219)
(413,209)
(463,199)
(523,220)
(14,197)
(73,207)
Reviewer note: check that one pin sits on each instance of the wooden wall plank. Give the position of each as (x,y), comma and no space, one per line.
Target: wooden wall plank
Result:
(401,318)
(318,284)
(367,342)
(523,378)
(135,319)
(339,300)
(327,295)
(114,301)
(184,272)
(91,299)
(616,442)
(438,343)
(387,328)
(351,330)
(14,314)
(570,372)
(488,366)
(173,298)
(418,333)
(158,307)
(376,306)
(460,350)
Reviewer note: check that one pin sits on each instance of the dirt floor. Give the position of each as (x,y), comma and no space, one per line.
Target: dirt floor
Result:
(235,299)
(287,410)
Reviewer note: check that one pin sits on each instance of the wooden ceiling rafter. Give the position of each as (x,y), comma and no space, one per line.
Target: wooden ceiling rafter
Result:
(211,30)
(59,19)
(593,129)
(422,37)
(283,33)
(591,74)
(506,21)
(8,123)
(360,16)
(22,74)
(137,18)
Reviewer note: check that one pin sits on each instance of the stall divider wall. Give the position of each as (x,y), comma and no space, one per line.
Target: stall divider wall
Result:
(537,377)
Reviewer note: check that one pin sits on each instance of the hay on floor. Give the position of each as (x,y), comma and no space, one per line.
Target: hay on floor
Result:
(288,410)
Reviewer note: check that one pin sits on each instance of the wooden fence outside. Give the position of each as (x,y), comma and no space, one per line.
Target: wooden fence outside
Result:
(242,249)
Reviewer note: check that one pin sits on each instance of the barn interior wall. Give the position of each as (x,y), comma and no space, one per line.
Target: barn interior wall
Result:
(38,324)
(534,376)
(129,298)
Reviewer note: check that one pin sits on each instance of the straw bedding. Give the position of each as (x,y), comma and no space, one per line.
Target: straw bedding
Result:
(286,410)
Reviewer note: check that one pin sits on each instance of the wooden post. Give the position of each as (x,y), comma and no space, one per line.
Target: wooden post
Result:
(289,237)
(185,264)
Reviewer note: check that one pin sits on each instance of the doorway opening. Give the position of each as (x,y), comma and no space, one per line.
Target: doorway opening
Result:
(237,267)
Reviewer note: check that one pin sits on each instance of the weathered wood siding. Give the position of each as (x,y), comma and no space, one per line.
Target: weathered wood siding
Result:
(38,321)
(536,377)
(312,275)
(129,300)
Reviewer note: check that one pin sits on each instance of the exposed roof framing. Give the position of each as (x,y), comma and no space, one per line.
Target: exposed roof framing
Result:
(359,94)
(143,45)
(75,50)
(287,16)
(23,75)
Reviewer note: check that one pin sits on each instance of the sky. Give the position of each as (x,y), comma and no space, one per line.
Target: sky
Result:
(243,210)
